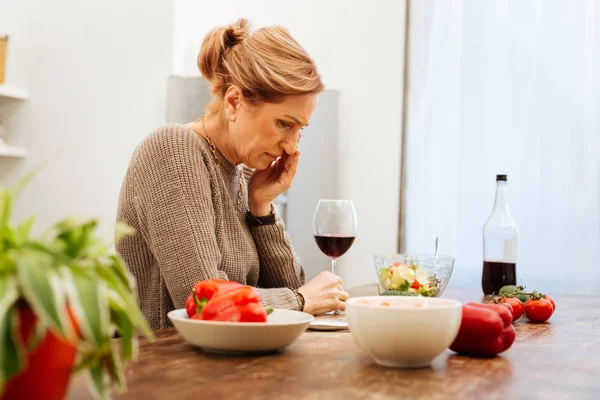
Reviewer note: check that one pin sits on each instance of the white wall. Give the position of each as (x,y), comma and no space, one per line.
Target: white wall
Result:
(97,74)
(359,48)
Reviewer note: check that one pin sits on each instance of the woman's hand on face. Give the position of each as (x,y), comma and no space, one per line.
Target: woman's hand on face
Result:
(266,185)
(324,293)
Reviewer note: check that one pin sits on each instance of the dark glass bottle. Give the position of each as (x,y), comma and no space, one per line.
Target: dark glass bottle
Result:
(500,234)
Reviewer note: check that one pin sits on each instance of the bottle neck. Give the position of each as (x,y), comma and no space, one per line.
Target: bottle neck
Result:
(501,202)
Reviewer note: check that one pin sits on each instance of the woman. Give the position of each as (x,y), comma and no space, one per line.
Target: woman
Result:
(200,195)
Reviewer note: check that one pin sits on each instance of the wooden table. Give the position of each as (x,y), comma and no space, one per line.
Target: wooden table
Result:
(556,360)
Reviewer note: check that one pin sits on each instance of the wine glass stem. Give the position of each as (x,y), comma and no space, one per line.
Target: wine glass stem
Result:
(333,261)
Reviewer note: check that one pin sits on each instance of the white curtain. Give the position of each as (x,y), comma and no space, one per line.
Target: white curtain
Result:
(506,87)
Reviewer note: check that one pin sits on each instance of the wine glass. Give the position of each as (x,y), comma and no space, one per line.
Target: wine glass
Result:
(334,228)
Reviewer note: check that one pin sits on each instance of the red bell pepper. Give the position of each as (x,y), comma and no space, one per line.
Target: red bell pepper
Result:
(485,330)
(205,290)
(238,305)
(190,305)
(251,312)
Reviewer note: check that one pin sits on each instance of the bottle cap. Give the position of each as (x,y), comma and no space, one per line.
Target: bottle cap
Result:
(501,178)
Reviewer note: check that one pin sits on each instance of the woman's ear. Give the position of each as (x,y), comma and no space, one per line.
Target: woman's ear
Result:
(232,101)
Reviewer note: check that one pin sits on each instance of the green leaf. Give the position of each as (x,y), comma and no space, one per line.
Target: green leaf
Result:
(8,234)
(116,282)
(115,368)
(75,235)
(90,305)
(127,331)
(48,250)
(124,297)
(38,334)
(12,348)
(10,358)
(428,292)
(43,290)
(404,286)
(122,230)
(6,201)
(24,230)
(85,358)
(9,293)
(98,381)
(119,266)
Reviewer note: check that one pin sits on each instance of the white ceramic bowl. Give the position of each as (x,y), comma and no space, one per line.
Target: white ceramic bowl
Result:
(282,328)
(409,332)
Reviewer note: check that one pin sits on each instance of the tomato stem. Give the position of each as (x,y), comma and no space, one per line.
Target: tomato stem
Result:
(534,295)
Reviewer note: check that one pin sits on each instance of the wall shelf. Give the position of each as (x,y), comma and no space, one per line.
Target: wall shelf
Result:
(12,151)
(13,92)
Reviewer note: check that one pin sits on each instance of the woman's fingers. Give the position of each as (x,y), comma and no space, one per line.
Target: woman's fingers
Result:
(291,166)
(343,296)
(339,300)
(281,163)
(339,280)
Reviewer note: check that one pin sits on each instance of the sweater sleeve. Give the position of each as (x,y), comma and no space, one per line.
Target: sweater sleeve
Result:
(279,298)
(173,198)
(279,264)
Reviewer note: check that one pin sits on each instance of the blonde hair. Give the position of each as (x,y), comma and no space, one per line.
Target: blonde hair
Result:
(267,64)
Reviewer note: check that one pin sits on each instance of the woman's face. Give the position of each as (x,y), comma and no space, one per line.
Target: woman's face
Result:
(260,134)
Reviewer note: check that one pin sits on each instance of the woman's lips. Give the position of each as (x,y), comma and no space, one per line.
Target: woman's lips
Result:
(271,156)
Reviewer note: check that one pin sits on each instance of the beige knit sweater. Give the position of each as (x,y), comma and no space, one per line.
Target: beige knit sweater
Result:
(182,205)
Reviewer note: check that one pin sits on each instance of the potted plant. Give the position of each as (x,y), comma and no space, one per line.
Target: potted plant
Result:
(63,297)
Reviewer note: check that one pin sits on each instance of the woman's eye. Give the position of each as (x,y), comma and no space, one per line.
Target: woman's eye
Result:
(283,124)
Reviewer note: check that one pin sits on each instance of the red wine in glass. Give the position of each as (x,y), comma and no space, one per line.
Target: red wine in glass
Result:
(334,246)
(334,228)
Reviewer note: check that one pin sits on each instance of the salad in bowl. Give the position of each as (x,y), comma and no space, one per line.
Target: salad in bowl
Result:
(413,275)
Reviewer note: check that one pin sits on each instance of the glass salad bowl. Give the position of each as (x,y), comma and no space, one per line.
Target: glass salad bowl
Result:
(413,274)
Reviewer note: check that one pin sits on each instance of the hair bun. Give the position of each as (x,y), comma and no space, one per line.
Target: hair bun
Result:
(215,46)
(235,34)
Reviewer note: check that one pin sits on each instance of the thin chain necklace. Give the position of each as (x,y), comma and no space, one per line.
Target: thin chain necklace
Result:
(213,149)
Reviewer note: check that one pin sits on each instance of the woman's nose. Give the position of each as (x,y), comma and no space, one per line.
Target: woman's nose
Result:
(290,144)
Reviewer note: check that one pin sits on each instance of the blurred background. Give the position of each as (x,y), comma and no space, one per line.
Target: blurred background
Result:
(427,101)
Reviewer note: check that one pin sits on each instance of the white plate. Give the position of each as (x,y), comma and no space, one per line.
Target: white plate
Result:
(328,325)
(282,328)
